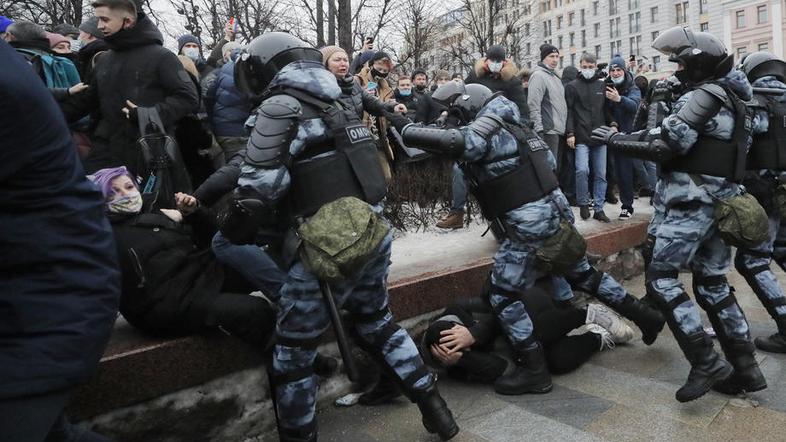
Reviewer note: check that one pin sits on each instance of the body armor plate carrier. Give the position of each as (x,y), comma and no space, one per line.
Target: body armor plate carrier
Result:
(769,149)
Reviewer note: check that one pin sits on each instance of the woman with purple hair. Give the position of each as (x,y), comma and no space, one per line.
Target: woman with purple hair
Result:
(172,283)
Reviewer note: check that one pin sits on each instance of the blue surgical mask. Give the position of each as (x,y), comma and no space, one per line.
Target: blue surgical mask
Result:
(192,53)
(618,80)
(589,74)
(405,92)
(371,85)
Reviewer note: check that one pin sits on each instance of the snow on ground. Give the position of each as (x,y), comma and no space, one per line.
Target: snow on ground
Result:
(438,250)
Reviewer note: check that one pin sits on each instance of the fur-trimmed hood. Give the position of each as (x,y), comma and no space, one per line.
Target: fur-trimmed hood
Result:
(508,72)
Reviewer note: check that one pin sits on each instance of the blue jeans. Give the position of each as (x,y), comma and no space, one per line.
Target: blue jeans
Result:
(253,263)
(597,155)
(646,172)
(459,189)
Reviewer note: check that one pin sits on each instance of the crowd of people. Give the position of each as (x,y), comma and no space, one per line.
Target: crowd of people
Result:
(192,193)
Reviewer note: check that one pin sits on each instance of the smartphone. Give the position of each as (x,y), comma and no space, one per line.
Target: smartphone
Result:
(632,58)
(609,82)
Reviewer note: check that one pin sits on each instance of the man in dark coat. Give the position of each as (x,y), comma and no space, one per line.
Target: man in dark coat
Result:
(136,71)
(59,283)
(498,73)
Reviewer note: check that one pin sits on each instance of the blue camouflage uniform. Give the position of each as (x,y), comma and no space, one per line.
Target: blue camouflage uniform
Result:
(754,264)
(302,314)
(529,225)
(686,235)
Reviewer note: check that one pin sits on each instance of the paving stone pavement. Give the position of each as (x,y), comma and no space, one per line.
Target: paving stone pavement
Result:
(624,394)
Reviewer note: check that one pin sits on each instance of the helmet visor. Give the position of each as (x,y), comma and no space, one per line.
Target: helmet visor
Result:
(674,41)
(448,92)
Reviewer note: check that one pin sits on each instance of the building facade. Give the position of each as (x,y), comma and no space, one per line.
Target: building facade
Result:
(754,25)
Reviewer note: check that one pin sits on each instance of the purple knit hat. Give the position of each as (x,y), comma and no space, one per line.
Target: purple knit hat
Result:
(104,177)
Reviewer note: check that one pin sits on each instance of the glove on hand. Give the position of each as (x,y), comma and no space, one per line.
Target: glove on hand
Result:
(603,134)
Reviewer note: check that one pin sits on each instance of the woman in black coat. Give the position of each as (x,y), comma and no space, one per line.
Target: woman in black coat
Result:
(172,283)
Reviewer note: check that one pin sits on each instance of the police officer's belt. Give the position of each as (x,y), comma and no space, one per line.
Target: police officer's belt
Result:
(353,170)
(714,157)
(769,150)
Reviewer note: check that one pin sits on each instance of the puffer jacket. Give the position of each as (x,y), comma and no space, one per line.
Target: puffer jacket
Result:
(228,108)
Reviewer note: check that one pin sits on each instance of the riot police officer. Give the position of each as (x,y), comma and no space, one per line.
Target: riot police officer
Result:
(511,173)
(765,179)
(701,147)
(304,153)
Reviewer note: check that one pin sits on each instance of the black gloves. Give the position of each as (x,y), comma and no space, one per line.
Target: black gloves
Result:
(245,214)
(397,120)
(603,134)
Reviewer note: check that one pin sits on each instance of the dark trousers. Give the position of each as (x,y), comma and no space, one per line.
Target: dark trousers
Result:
(624,168)
(41,419)
(566,163)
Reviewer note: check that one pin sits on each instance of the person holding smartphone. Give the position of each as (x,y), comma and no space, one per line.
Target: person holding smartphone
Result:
(622,99)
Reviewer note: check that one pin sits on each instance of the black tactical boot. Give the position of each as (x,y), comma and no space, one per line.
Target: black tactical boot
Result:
(305,434)
(530,376)
(646,318)
(775,343)
(584,211)
(384,391)
(746,377)
(707,367)
(437,417)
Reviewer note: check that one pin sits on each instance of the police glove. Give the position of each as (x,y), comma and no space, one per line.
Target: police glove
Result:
(397,120)
(241,220)
(603,134)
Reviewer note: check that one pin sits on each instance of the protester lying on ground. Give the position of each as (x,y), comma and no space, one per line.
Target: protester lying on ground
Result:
(172,283)
(465,340)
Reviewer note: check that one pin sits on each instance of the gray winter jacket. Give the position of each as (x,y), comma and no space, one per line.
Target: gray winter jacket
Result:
(546,101)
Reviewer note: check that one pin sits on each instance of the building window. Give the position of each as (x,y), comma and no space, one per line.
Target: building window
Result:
(583,22)
(705,27)
(761,14)
(632,45)
(571,16)
(583,38)
(764,46)
(595,8)
(559,22)
(653,14)
(655,62)
(611,28)
(597,30)
(559,42)
(682,12)
(633,4)
(613,7)
(597,51)
(741,52)
(572,37)
(612,45)
(561,62)
(573,59)
(740,19)
(529,48)
(526,29)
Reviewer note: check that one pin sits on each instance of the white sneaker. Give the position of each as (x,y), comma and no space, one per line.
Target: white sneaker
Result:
(625,214)
(606,340)
(613,323)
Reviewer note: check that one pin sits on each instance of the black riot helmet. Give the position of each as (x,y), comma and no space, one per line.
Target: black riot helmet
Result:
(762,64)
(496,53)
(702,55)
(472,101)
(267,54)
(447,93)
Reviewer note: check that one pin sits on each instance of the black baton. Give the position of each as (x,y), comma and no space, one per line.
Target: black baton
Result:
(338,329)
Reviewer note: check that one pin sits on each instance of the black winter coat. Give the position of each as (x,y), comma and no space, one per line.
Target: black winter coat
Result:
(354,97)
(587,110)
(170,275)
(137,68)
(59,283)
(428,110)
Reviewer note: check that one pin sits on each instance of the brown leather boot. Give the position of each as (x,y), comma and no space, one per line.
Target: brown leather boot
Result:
(453,220)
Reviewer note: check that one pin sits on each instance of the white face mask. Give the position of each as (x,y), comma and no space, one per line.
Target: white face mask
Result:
(495,66)
(126,204)
(589,74)
(192,53)
(76,45)
(618,80)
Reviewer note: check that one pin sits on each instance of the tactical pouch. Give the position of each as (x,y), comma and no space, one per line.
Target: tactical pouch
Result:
(341,239)
(742,222)
(779,200)
(562,250)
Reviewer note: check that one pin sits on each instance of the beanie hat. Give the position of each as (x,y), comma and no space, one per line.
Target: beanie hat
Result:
(90,26)
(55,39)
(65,29)
(328,52)
(546,50)
(617,62)
(5,22)
(419,71)
(103,179)
(187,38)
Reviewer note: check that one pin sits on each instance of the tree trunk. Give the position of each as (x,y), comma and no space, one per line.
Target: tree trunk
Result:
(320,23)
(490,33)
(345,25)
(331,22)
